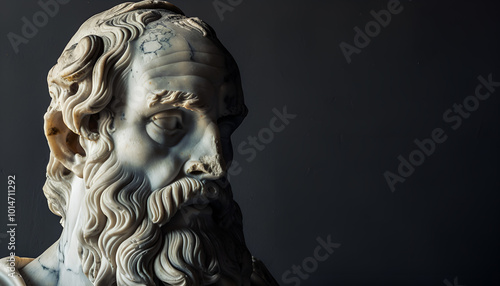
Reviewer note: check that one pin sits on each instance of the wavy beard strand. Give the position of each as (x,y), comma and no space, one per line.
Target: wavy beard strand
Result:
(122,242)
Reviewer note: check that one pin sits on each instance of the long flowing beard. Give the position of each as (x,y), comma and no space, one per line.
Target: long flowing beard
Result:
(132,236)
(113,210)
(202,244)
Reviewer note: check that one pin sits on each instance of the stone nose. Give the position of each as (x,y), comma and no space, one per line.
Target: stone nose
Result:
(207,162)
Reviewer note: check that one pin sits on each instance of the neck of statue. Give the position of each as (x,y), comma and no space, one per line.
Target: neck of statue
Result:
(60,264)
(70,266)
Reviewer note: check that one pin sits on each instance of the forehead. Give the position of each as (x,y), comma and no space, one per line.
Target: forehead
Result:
(168,57)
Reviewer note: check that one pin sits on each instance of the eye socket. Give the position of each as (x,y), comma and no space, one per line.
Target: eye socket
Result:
(168,121)
(166,127)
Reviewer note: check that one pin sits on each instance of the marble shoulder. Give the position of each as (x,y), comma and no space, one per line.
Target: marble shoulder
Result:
(9,270)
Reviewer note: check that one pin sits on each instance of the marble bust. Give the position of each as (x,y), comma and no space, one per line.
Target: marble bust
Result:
(144,101)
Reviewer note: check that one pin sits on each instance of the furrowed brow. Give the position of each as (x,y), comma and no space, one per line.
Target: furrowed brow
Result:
(178,99)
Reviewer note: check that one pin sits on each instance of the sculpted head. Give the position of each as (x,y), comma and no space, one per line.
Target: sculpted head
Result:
(144,101)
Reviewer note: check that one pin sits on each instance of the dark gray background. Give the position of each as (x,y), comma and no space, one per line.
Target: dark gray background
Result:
(322,175)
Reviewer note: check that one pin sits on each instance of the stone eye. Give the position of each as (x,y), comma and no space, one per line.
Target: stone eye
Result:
(167,122)
(166,127)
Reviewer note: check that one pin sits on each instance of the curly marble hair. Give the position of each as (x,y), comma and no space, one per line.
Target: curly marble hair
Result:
(88,76)
(83,84)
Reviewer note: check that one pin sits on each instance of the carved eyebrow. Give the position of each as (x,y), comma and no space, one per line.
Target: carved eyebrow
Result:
(178,99)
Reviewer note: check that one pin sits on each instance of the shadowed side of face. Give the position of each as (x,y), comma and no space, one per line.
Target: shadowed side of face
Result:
(176,95)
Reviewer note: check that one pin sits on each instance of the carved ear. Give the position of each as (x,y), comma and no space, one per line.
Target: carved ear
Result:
(64,144)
